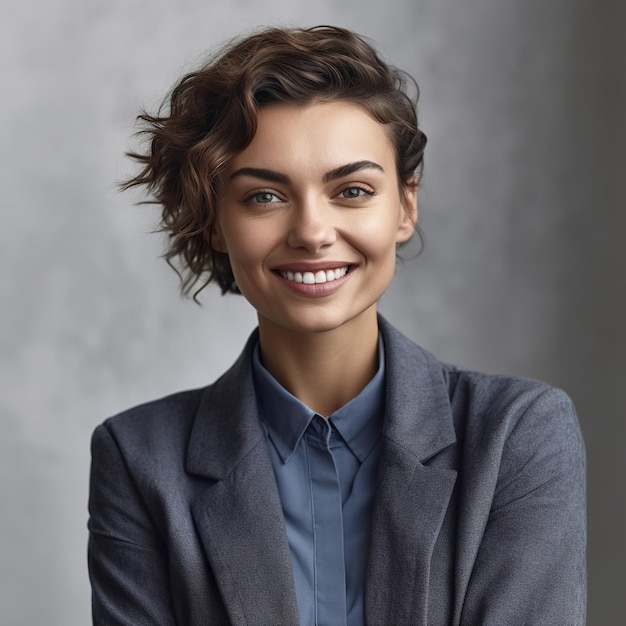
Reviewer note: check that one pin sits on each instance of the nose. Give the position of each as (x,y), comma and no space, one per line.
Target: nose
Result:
(311,226)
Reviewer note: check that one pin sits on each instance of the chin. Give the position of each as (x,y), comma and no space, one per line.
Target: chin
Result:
(316,321)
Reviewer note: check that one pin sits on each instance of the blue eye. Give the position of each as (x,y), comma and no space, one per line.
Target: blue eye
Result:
(354,192)
(265,197)
(262,197)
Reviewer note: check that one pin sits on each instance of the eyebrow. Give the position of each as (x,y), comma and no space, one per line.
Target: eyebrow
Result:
(277,177)
(351,168)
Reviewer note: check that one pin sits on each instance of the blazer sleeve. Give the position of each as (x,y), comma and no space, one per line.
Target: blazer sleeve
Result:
(530,566)
(127,558)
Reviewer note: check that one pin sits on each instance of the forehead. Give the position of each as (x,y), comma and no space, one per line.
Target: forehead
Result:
(315,136)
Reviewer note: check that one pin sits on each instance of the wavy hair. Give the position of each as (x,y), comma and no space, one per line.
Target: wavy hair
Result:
(211,115)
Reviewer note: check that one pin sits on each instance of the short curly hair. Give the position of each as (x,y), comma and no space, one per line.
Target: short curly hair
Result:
(211,115)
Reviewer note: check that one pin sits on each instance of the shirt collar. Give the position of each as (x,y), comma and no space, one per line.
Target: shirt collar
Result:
(359,422)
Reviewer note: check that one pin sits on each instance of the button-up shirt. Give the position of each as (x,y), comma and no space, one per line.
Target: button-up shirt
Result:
(326,475)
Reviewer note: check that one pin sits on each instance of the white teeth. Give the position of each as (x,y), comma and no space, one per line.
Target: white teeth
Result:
(319,277)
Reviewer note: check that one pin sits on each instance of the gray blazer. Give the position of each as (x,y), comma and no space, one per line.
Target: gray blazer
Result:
(479,515)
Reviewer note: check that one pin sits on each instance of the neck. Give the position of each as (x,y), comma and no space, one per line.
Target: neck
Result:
(325,370)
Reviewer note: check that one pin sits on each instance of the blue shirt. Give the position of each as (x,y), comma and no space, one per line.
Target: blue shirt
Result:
(326,475)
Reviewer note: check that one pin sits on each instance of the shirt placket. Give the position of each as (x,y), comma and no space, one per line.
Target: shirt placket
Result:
(330,585)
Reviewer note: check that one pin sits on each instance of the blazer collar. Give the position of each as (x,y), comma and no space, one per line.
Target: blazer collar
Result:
(418,415)
(226,427)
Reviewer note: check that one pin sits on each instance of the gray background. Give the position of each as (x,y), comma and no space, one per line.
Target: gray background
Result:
(523,206)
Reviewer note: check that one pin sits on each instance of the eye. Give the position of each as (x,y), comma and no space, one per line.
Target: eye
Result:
(350,193)
(263,197)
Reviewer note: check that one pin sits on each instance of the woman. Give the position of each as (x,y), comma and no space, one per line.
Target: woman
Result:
(337,473)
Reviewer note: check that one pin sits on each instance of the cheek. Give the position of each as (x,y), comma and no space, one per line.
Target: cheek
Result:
(247,244)
(377,237)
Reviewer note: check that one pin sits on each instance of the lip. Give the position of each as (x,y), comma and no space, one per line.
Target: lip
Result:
(311,266)
(315,290)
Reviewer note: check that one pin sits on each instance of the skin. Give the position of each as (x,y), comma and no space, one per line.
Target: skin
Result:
(316,190)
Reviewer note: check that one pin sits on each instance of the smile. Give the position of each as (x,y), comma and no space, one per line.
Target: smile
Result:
(316,278)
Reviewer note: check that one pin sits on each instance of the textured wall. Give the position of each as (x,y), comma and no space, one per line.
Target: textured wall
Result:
(523,206)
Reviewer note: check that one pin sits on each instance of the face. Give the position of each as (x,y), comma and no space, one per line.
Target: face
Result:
(311,214)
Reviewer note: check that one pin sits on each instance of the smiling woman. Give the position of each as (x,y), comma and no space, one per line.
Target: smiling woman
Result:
(315,192)
(337,473)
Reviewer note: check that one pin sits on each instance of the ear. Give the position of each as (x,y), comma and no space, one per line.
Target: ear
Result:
(408,219)
(217,238)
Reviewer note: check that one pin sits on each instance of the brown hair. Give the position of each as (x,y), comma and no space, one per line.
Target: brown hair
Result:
(211,114)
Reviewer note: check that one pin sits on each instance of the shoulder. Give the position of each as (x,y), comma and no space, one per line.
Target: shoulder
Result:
(507,409)
(502,402)
(491,413)
(150,437)
(158,418)
(170,419)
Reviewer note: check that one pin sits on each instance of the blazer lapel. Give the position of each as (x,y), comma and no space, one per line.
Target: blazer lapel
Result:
(237,511)
(412,496)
